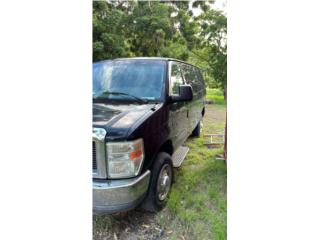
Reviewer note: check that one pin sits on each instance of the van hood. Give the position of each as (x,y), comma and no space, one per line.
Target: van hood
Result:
(118,119)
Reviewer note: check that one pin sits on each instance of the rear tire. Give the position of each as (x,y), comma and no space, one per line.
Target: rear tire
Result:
(160,183)
(196,131)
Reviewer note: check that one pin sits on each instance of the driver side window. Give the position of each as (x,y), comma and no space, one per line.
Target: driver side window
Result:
(175,79)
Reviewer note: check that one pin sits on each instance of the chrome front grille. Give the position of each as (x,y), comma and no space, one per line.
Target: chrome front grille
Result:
(99,169)
(94,157)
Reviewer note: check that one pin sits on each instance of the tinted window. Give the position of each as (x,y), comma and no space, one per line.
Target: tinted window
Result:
(140,78)
(191,78)
(200,78)
(175,78)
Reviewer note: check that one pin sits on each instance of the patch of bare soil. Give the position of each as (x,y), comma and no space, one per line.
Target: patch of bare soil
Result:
(214,114)
(132,225)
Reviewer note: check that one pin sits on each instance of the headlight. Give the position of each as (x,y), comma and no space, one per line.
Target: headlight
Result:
(124,158)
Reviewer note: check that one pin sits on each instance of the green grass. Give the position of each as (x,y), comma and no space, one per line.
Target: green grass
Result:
(215,91)
(215,95)
(198,197)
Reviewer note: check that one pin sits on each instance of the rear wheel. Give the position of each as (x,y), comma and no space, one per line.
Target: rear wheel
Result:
(196,131)
(160,183)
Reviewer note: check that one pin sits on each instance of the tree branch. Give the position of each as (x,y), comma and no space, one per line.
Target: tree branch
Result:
(201,57)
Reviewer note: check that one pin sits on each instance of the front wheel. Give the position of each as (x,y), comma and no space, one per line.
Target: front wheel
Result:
(160,183)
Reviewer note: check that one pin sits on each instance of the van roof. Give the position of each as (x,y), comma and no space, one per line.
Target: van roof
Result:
(151,58)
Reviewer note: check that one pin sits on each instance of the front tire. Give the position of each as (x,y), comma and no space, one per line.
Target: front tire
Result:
(160,183)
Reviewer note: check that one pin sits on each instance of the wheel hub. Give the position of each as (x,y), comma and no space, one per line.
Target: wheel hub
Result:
(164,182)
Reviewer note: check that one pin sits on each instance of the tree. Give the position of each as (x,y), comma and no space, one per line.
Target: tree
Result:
(108,38)
(150,29)
(163,29)
(214,38)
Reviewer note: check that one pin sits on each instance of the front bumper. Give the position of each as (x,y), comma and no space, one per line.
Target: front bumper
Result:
(112,196)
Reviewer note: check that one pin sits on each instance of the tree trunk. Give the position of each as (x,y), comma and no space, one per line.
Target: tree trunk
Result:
(225,142)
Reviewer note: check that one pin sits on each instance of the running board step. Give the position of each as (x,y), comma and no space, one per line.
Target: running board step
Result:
(179,156)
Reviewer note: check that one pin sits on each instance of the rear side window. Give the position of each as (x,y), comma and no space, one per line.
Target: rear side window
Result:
(190,75)
(175,79)
(200,78)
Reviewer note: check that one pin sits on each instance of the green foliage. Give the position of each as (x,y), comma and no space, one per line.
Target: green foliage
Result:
(215,95)
(108,38)
(150,28)
(163,29)
(214,91)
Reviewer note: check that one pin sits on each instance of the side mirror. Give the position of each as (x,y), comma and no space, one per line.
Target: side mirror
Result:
(185,94)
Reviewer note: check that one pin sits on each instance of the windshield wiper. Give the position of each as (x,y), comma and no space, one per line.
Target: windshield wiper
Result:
(124,94)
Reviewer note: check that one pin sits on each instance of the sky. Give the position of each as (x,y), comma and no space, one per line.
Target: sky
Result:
(219,5)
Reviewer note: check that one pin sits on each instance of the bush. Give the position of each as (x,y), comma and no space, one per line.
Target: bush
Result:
(215,95)
(214,91)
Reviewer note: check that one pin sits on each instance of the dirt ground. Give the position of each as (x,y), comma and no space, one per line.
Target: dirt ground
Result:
(133,225)
(167,224)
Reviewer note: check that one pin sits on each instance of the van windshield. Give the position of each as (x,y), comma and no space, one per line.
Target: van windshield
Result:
(142,79)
